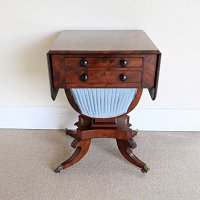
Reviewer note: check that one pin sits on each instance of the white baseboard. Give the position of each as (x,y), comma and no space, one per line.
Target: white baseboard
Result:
(36,117)
(166,119)
(60,117)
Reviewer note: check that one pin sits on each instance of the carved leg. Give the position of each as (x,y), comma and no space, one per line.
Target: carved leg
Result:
(132,143)
(82,147)
(125,147)
(71,133)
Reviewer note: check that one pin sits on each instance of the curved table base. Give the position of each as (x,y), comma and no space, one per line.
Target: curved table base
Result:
(125,147)
(88,129)
(82,147)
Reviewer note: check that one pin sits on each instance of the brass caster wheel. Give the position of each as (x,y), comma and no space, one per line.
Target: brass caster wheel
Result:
(145,169)
(58,169)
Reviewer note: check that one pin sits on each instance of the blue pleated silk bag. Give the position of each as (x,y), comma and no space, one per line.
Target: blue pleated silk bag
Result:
(103,102)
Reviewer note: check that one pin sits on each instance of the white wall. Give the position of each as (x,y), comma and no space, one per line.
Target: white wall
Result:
(27,29)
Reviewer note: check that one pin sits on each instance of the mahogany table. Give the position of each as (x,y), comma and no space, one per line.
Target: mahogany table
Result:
(103,74)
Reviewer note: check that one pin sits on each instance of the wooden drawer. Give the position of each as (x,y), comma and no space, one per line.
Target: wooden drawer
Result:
(95,62)
(140,71)
(100,76)
(96,52)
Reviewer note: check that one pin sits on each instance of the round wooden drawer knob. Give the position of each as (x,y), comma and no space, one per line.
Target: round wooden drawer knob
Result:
(123,77)
(84,77)
(84,63)
(123,63)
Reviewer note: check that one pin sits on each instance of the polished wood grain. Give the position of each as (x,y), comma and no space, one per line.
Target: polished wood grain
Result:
(82,147)
(83,135)
(100,62)
(71,100)
(103,59)
(102,76)
(103,41)
(136,100)
(104,49)
(126,150)
(153,90)
(54,91)
(68,75)
(89,128)
(104,85)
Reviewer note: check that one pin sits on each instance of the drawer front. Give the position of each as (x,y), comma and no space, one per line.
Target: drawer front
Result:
(94,62)
(100,76)
(140,71)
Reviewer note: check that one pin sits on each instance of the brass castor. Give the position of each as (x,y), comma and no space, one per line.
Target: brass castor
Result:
(58,169)
(145,169)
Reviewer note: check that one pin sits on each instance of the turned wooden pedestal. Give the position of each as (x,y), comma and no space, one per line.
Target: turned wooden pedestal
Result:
(89,128)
